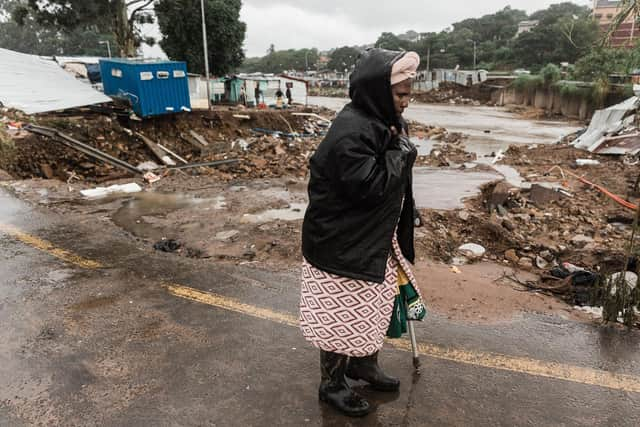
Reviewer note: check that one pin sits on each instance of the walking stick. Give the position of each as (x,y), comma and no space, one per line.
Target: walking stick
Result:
(414,341)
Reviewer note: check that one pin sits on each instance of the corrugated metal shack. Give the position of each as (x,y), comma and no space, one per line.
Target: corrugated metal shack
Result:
(268,84)
(153,87)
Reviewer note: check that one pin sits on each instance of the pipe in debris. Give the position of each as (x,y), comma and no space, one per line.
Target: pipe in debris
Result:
(603,190)
(81,147)
(206,164)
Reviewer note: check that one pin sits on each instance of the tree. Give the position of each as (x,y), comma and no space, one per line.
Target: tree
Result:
(282,60)
(392,42)
(121,18)
(34,38)
(566,32)
(344,57)
(180,23)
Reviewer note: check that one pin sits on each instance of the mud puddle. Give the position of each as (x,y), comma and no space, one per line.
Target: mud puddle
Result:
(135,214)
(293,213)
(446,189)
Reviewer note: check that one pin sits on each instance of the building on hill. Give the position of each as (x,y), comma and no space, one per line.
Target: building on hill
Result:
(526,26)
(604,12)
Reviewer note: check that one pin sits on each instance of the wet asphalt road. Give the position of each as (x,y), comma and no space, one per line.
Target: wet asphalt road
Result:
(110,346)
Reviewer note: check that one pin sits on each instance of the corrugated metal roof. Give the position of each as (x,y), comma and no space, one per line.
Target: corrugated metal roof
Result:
(37,85)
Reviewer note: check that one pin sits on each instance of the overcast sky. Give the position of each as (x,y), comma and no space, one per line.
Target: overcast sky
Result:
(326,24)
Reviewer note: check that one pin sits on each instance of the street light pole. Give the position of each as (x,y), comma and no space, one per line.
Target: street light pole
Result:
(306,61)
(206,53)
(108,46)
(428,58)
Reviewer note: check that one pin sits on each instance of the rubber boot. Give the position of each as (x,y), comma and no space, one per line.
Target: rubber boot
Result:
(367,369)
(334,389)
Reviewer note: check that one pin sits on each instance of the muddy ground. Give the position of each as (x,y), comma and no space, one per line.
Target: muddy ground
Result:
(251,213)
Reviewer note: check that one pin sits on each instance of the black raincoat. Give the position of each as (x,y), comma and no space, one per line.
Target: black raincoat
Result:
(359,179)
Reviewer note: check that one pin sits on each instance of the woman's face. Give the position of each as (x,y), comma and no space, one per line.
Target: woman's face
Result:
(401,96)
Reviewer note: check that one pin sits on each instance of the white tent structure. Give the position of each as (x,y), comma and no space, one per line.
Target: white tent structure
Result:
(36,85)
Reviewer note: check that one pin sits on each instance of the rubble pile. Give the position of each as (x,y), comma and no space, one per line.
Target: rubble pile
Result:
(555,218)
(448,148)
(454,94)
(266,143)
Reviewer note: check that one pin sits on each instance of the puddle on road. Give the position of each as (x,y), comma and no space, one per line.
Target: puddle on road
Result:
(293,213)
(130,216)
(446,189)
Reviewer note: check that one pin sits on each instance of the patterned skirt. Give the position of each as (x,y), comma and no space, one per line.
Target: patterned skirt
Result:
(349,316)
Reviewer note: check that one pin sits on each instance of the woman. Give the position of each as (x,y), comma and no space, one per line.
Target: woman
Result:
(357,237)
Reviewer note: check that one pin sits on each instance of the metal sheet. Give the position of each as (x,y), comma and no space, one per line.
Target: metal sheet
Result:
(620,146)
(37,85)
(605,122)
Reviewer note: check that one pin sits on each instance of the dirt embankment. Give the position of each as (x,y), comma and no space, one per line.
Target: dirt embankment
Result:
(451,93)
(229,133)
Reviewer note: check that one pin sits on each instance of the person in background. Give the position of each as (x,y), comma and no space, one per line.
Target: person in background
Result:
(357,236)
(289,96)
(257,92)
(243,96)
(279,100)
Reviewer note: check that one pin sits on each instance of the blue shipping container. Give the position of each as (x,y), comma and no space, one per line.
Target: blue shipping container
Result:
(153,88)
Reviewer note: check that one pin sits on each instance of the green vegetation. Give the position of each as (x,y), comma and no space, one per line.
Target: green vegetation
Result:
(33,37)
(281,60)
(119,18)
(182,33)
(565,33)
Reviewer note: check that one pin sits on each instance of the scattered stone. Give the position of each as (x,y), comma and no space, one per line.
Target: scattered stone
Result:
(525,263)
(464,215)
(581,240)
(472,250)
(511,256)
(224,236)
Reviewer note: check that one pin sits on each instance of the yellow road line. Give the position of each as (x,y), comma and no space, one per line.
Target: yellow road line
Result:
(528,366)
(537,368)
(49,248)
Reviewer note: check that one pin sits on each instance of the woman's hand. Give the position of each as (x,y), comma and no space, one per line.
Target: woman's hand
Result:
(405,145)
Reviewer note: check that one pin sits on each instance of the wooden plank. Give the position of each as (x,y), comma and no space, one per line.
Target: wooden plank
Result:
(156,150)
(199,138)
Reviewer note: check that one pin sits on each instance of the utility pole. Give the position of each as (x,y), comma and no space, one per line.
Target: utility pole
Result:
(108,46)
(206,54)
(475,53)
(428,58)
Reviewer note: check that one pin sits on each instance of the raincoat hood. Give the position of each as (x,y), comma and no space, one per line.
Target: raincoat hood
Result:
(370,85)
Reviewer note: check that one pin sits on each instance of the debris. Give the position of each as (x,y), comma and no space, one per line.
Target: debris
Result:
(543,193)
(512,256)
(167,245)
(83,148)
(472,250)
(24,88)
(155,149)
(173,154)
(199,138)
(242,116)
(587,162)
(605,122)
(207,164)
(455,270)
(630,279)
(151,178)
(148,166)
(98,192)
(226,235)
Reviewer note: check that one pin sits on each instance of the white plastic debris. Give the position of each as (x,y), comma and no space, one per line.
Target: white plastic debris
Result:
(98,192)
(587,162)
(630,278)
(472,250)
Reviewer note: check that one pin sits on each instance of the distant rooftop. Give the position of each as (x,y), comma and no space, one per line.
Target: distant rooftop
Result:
(607,3)
(140,61)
